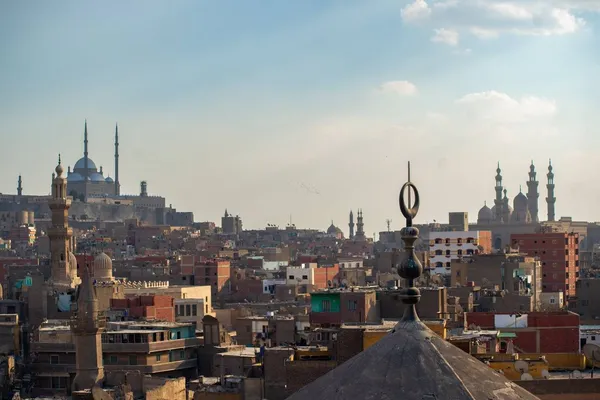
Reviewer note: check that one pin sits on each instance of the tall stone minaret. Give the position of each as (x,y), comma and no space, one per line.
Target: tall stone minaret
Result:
(533,194)
(87,325)
(60,233)
(360,226)
(19,187)
(498,201)
(550,200)
(117,184)
(85,161)
(351,225)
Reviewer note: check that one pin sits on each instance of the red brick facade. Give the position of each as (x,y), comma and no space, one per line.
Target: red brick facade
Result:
(559,254)
(552,332)
(159,308)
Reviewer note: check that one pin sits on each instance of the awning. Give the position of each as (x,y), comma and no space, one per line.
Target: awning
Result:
(506,335)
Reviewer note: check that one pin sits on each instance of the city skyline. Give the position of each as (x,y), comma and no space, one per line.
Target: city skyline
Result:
(306,109)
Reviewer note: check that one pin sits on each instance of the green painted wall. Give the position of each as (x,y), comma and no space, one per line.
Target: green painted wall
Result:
(319,301)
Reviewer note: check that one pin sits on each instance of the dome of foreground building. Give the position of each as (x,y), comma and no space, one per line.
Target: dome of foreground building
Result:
(412,362)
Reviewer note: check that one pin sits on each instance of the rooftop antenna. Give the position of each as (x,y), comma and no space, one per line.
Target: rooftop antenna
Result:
(388,222)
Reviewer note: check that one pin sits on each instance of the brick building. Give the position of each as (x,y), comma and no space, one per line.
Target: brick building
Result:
(158,308)
(216,273)
(559,254)
(537,332)
(335,307)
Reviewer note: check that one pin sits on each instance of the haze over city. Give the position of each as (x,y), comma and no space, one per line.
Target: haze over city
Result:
(308,108)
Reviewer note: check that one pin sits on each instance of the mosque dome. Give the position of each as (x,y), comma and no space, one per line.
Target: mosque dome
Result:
(333,230)
(80,164)
(109,180)
(74,177)
(96,177)
(485,214)
(103,267)
(520,202)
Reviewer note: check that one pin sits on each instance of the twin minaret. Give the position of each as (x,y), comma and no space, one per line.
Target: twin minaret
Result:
(501,201)
(360,226)
(86,159)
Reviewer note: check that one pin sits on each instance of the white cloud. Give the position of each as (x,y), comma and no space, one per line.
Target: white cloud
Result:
(501,107)
(415,11)
(487,19)
(404,88)
(447,36)
(483,33)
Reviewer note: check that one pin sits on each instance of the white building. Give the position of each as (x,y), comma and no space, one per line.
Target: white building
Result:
(303,275)
(274,265)
(351,263)
(445,247)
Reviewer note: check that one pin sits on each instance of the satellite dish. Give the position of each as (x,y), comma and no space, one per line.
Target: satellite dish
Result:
(521,366)
(526,377)
(592,353)
(577,374)
(545,374)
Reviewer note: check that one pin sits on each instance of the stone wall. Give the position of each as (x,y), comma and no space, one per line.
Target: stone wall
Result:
(171,389)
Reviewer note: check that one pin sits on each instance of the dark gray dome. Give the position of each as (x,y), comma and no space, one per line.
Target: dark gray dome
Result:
(80,164)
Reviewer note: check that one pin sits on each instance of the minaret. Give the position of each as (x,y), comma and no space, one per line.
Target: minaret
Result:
(117,184)
(550,200)
(87,325)
(19,187)
(498,202)
(59,232)
(85,161)
(360,233)
(351,225)
(505,208)
(533,194)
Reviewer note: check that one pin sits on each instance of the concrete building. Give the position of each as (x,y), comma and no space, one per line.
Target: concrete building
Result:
(216,274)
(178,292)
(231,225)
(559,254)
(336,306)
(445,247)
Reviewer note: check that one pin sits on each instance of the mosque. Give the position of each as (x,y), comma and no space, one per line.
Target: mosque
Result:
(523,216)
(87,180)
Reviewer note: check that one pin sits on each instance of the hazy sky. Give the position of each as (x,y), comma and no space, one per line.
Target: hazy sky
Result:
(307,108)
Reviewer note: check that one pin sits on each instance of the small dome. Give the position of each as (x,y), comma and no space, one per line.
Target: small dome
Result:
(520,202)
(485,214)
(74,177)
(103,267)
(109,180)
(59,170)
(80,164)
(96,177)
(333,230)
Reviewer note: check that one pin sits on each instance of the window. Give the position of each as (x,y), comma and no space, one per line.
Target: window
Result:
(438,253)
(459,252)
(158,357)
(305,277)
(458,274)
(325,305)
(182,355)
(552,300)
(113,360)
(447,252)
(593,337)
(59,382)
(194,309)
(292,276)
(54,359)
(132,360)
(357,265)
(352,305)
(188,310)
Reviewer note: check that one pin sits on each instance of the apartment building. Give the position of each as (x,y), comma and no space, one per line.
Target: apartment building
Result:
(445,247)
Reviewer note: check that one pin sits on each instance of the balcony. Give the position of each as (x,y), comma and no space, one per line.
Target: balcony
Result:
(154,369)
(322,318)
(150,347)
(52,369)
(38,347)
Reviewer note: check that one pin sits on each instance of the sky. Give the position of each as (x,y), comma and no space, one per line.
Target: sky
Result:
(304,110)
